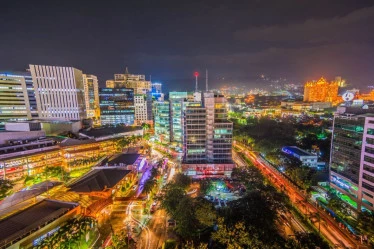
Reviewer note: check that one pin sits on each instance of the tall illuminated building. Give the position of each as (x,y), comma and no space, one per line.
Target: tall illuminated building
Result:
(207,137)
(14,100)
(59,92)
(134,81)
(157,92)
(352,156)
(321,91)
(117,106)
(143,108)
(176,100)
(30,89)
(91,97)
(162,121)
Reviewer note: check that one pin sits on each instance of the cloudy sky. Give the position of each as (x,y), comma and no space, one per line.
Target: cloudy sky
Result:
(236,40)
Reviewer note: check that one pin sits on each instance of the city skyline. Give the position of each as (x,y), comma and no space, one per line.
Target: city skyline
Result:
(235,42)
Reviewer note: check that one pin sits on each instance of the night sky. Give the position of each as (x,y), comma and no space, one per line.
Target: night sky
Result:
(235,40)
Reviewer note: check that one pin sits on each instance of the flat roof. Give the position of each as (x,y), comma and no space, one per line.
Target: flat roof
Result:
(107,131)
(297,151)
(99,179)
(127,159)
(25,221)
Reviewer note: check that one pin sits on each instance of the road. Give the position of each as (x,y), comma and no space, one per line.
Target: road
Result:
(291,224)
(330,229)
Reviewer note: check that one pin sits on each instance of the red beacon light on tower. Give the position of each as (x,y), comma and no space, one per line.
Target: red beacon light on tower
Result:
(196,74)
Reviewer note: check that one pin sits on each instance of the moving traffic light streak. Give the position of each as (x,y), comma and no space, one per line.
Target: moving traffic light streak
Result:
(327,225)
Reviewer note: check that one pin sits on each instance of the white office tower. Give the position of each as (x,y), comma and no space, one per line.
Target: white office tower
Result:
(14,101)
(59,92)
(207,137)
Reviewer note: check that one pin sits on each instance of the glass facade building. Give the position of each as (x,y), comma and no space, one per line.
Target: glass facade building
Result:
(352,158)
(162,121)
(207,132)
(117,106)
(176,102)
(91,96)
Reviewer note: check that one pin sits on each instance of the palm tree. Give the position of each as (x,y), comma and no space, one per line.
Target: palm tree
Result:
(148,185)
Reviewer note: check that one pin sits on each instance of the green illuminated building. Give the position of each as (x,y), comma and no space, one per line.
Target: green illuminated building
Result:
(352,157)
(162,121)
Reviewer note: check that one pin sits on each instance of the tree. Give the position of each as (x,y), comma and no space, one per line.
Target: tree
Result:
(149,185)
(234,237)
(187,223)
(154,172)
(365,221)
(172,196)
(205,212)
(191,245)
(5,187)
(182,180)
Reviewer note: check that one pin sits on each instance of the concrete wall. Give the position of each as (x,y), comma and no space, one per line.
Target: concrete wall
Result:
(14,135)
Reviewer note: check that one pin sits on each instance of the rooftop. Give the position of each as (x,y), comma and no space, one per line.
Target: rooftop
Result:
(22,223)
(99,179)
(296,150)
(127,159)
(107,131)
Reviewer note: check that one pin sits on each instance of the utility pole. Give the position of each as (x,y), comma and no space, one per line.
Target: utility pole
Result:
(206,80)
(196,75)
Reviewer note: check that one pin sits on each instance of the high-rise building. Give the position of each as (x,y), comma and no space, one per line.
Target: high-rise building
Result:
(207,137)
(352,156)
(176,100)
(140,103)
(162,121)
(117,106)
(59,92)
(134,81)
(321,91)
(156,87)
(30,89)
(157,92)
(14,100)
(91,97)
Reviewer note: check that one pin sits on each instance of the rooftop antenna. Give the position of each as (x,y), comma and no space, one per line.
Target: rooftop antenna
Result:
(126,71)
(150,78)
(196,75)
(206,79)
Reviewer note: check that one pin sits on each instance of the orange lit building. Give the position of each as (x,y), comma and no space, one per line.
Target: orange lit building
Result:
(321,91)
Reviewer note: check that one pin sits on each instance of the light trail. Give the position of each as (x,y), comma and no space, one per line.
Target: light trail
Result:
(296,196)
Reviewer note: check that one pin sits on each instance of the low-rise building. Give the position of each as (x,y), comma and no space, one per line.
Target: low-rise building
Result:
(24,229)
(306,158)
(133,161)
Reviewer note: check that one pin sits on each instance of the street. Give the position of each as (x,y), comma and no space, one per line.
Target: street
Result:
(329,228)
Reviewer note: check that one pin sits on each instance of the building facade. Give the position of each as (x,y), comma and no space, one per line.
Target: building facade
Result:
(321,91)
(117,106)
(59,92)
(157,92)
(207,137)
(352,157)
(143,108)
(91,97)
(176,100)
(134,81)
(14,101)
(162,121)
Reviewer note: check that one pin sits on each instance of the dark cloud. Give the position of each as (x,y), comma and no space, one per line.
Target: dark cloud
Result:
(235,40)
(355,26)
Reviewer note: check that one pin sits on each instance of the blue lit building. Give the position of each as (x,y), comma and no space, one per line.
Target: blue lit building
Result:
(117,106)
(157,91)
